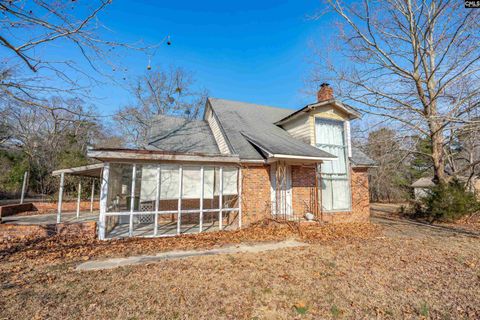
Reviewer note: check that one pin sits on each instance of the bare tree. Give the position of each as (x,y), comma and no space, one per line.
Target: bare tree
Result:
(52,138)
(32,71)
(409,61)
(162,92)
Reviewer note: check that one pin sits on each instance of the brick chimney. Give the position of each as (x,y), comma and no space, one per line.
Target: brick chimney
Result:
(325,92)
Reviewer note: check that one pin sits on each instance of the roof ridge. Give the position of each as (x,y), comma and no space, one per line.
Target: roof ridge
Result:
(251,104)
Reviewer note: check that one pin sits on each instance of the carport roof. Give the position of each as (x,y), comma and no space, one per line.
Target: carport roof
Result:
(91,170)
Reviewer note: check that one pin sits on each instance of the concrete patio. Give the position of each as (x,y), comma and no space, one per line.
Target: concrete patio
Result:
(44,219)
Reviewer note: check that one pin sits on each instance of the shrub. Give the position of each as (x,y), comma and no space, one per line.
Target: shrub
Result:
(448,202)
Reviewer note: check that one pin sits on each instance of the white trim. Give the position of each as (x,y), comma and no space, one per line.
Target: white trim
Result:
(79,198)
(289,156)
(240,197)
(348,137)
(253,161)
(180,187)
(60,198)
(92,195)
(202,191)
(157,201)
(123,155)
(24,186)
(220,201)
(103,201)
(78,170)
(132,200)
(307,108)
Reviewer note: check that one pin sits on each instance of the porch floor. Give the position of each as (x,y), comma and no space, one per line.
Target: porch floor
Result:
(164,230)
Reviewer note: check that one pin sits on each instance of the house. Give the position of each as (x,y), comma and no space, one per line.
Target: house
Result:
(422,185)
(241,163)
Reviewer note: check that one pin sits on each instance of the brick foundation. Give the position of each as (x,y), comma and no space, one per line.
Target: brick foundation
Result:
(67,206)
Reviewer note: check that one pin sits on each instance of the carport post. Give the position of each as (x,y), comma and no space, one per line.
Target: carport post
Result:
(24,186)
(78,199)
(91,197)
(220,201)
(60,198)
(103,201)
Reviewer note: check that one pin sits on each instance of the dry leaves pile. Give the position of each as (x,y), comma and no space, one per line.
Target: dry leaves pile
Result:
(411,272)
(57,248)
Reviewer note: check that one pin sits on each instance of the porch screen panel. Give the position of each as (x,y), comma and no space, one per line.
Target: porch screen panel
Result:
(330,137)
(148,183)
(169,182)
(119,187)
(191,183)
(230,181)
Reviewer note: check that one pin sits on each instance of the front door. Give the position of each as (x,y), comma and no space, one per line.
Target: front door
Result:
(281,189)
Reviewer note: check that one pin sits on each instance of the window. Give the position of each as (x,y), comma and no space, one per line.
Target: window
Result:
(335,184)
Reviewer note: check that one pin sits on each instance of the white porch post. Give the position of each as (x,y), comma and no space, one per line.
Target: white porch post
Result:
(103,201)
(24,186)
(157,200)
(240,197)
(93,194)
(60,198)
(132,200)
(220,201)
(180,187)
(79,198)
(202,189)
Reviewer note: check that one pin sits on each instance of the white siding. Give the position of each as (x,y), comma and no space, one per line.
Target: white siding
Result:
(217,132)
(299,128)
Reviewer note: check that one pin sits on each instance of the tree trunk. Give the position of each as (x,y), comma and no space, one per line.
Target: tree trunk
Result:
(439,176)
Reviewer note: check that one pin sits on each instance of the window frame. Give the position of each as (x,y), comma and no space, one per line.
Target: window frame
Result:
(330,177)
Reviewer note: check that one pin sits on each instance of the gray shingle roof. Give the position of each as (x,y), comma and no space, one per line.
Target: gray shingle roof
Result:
(243,122)
(425,182)
(180,135)
(247,127)
(360,159)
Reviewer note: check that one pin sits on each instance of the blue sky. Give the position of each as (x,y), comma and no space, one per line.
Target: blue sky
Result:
(253,51)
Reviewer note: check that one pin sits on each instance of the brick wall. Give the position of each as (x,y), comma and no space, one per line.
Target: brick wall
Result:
(256,202)
(13,209)
(67,206)
(360,200)
(256,194)
(303,190)
(45,207)
(14,232)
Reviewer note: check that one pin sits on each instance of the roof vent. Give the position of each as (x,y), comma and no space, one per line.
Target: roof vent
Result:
(325,92)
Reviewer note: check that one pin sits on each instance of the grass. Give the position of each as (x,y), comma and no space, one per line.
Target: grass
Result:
(387,277)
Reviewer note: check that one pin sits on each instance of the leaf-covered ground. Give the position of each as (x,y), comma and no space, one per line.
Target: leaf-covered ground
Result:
(392,268)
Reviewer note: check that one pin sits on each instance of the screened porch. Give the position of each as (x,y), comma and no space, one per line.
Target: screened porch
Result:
(155,200)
